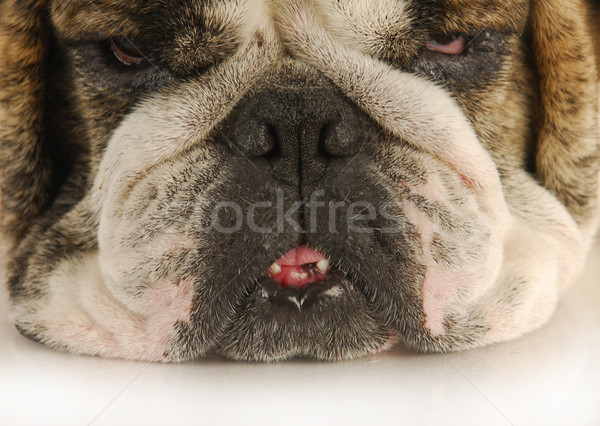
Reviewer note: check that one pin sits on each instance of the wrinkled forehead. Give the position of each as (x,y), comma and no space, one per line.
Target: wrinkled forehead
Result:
(77,18)
(192,34)
(456,14)
(186,34)
(107,18)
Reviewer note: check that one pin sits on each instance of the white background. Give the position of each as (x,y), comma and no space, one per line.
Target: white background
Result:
(550,377)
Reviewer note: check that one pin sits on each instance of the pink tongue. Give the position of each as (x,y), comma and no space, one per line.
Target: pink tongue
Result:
(296,268)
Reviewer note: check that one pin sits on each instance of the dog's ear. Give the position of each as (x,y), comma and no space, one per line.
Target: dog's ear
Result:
(594,24)
(567,157)
(25,166)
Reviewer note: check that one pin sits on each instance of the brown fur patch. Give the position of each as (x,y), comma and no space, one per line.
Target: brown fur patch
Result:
(568,152)
(495,14)
(594,27)
(25,165)
(78,19)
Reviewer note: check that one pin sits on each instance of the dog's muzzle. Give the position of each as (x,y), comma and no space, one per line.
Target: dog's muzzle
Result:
(297,132)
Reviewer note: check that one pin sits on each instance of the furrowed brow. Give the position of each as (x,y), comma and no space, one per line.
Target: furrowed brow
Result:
(504,15)
(94,19)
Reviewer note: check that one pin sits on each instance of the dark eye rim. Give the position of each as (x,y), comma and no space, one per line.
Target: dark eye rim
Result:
(126,51)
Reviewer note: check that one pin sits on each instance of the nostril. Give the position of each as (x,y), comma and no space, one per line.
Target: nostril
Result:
(324,137)
(273,138)
(261,141)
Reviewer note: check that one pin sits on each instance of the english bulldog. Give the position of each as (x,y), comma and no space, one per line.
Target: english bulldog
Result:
(268,179)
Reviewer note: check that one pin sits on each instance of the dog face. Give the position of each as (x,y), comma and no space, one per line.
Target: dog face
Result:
(267,179)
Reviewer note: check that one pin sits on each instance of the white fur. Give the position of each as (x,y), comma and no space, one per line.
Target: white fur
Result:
(364,25)
(82,314)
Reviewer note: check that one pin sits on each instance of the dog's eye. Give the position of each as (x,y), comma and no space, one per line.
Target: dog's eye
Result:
(126,51)
(454,45)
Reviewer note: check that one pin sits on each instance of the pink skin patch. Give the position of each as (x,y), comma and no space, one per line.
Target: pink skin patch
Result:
(146,323)
(440,285)
(435,280)
(168,304)
(148,335)
(300,267)
(172,299)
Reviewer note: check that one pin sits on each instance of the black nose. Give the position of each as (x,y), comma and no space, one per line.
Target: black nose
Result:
(297,130)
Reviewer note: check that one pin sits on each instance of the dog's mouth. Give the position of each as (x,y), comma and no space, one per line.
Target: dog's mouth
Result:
(300,267)
(303,306)
(301,279)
